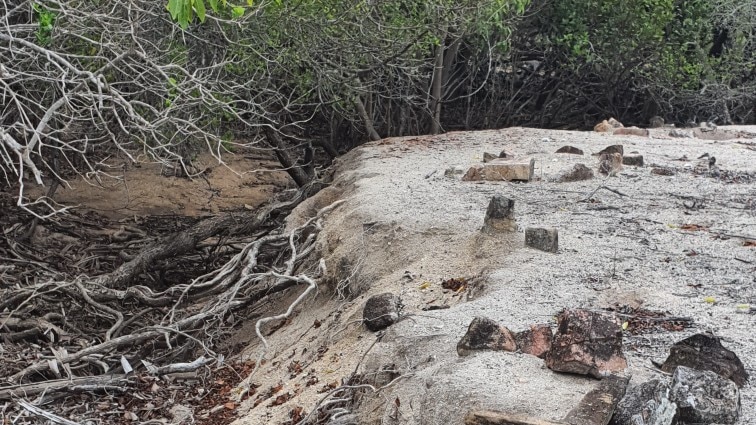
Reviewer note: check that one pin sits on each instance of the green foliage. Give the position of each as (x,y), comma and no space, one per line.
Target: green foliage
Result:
(46,20)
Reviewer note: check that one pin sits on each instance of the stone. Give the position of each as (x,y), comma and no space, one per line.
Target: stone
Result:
(610,164)
(488,157)
(705,352)
(631,131)
(614,123)
(703,397)
(576,173)
(500,215)
(598,406)
(611,149)
(603,127)
(663,171)
(498,170)
(656,122)
(570,149)
(646,404)
(587,343)
(633,160)
(454,171)
(485,334)
(545,239)
(381,311)
(680,133)
(504,154)
(535,341)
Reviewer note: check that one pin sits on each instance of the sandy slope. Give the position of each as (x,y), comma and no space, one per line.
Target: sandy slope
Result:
(404,223)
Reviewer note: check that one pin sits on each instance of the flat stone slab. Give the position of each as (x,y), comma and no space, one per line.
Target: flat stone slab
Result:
(545,239)
(501,170)
(633,160)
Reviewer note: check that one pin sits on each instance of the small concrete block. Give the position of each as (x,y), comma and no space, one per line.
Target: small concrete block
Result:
(500,215)
(545,239)
(633,159)
(498,170)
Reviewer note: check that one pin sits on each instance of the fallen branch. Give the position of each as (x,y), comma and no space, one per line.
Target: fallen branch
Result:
(85,383)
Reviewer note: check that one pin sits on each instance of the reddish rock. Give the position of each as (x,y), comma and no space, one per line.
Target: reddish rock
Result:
(610,164)
(587,343)
(485,334)
(603,127)
(535,341)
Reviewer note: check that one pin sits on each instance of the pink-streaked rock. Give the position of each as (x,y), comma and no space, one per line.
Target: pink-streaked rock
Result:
(587,343)
(535,341)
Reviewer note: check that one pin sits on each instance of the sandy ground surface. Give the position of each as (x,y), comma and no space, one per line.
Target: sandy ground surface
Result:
(405,227)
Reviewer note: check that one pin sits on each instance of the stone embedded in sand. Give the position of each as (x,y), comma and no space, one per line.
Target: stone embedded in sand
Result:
(535,341)
(633,160)
(453,171)
(680,133)
(603,127)
(656,122)
(631,131)
(500,215)
(504,154)
(612,149)
(663,171)
(569,149)
(705,352)
(646,404)
(485,334)
(610,164)
(703,397)
(587,343)
(381,311)
(545,239)
(576,173)
(614,123)
(488,157)
(498,170)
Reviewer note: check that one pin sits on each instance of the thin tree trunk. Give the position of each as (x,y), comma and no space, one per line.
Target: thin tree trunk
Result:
(300,176)
(437,86)
(366,119)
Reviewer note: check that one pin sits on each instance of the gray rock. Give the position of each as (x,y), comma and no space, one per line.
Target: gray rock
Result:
(577,173)
(704,397)
(454,171)
(504,154)
(705,352)
(633,159)
(485,334)
(500,215)
(587,343)
(488,157)
(610,163)
(545,239)
(611,149)
(656,122)
(680,134)
(381,311)
(646,404)
(570,150)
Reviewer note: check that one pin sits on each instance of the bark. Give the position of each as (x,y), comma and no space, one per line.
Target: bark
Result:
(300,176)
(437,86)
(366,119)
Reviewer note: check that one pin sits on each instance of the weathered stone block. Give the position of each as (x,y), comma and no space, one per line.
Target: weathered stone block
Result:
(500,215)
(587,343)
(381,311)
(535,341)
(545,239)
(703,397)
(485,334)
(633,159)
(611,149)
(570,149)
(498,170)
(705,352)
(610,163)
(646,404)
(576,173)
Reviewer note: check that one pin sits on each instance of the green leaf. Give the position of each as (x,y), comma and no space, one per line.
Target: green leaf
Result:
(174,8)
(250,2)
(237,12)
(199,8)
(213,5)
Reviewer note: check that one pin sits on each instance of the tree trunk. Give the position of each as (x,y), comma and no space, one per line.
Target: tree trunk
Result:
(437,86)
(300,176)
(366,119)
